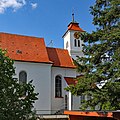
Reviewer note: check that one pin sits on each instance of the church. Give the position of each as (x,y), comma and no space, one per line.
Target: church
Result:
(51,69)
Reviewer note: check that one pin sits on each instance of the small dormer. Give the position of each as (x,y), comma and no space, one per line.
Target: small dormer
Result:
(72,39)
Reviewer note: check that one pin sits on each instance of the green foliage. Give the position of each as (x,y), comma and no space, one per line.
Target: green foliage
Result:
(102,59)
(13,105)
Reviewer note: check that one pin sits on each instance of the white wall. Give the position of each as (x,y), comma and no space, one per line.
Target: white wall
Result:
(67,39)
(40,73)
(73,51)
(43,76)
(76,101)
(59,103)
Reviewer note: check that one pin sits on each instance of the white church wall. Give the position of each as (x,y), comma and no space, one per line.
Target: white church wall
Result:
(72,49)
(67,43)
(76,101)
(76,51)
(59,103)
(40,73)
(72,42)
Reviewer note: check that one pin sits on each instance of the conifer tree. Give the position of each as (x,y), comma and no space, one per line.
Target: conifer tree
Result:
(101,63)
(16,100)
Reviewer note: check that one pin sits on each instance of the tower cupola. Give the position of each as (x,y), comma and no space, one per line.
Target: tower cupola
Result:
(72,39)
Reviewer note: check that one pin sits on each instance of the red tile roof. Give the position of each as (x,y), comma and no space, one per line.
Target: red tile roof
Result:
(24,48)
(33,49)
(60,57)
(75,26)
(95,114)
(70,81)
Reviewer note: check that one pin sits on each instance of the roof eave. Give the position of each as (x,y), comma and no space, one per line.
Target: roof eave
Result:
(74,67)
(49,62)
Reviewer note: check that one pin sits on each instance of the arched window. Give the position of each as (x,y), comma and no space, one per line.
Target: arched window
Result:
(22,77)
(58,86)
(75,43)
(78,43)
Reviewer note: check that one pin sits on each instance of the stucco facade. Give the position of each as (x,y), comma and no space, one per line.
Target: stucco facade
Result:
(43,76)
(59,103)
(70,45)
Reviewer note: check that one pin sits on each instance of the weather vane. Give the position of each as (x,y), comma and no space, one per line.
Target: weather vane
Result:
(73,16)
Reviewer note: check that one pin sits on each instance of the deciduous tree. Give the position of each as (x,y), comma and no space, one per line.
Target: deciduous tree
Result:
(16,100)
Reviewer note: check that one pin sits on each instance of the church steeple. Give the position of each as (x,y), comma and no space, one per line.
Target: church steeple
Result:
(72,39)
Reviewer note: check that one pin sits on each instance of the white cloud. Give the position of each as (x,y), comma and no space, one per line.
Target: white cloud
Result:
(14,4)
(34,5)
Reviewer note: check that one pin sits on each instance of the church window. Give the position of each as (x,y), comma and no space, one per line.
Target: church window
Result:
(75,43)
(22,77)
(58,86)
(78,43)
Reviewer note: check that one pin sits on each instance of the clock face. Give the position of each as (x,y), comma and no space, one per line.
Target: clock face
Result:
(77,35)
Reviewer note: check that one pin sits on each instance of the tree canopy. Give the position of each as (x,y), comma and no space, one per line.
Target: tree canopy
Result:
(101,63)
(16,100)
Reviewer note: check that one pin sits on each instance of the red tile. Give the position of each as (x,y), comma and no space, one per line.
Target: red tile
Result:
(60,57)
(74,26)
(24,48)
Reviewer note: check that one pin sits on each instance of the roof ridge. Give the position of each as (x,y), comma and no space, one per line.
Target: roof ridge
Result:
(20,35)
(57,48)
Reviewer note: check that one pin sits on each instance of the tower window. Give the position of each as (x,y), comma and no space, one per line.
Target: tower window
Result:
(22,77)
(78,43)
(75,43)
(58,86)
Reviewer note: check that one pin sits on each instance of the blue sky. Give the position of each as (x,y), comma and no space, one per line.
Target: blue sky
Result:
(44,18)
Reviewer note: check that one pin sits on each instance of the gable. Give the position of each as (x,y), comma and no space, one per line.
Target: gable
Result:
(73,26)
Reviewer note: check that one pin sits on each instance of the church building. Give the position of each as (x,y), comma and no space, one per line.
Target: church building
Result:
(51,69)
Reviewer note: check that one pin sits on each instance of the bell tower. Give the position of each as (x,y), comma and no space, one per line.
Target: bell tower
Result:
(72,39)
